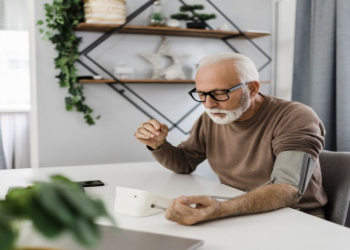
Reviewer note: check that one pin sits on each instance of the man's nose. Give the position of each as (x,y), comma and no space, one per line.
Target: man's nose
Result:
(210,102)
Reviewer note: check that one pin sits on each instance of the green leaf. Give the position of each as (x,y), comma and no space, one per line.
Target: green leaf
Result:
(81,203)
(40,22)
(13,209)
(18,199)
(50,199)
(60,19)
(69,105)
(89,120)
(103,212)
(58,2)
(76,99)
(7,237)
(65,183)
(61,179)
(43,221)
(86,232)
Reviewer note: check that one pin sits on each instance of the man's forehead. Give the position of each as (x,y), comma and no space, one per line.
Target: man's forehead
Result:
(213,87)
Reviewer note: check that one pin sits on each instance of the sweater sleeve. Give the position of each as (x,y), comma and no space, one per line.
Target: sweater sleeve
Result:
(299,129)
(186,156)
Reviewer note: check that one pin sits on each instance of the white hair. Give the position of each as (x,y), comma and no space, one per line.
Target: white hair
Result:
(245,67)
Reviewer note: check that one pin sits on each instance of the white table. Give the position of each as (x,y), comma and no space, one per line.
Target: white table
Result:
(283,229)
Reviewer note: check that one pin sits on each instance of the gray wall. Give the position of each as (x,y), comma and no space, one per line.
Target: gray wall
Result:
(64,138)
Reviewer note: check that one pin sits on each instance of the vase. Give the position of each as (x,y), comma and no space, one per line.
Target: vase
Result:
(196,25)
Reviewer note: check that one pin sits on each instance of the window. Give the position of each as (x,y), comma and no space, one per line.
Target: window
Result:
(14,84)
(14,56)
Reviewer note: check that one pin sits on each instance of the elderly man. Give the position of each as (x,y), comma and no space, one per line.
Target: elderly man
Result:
(253,142)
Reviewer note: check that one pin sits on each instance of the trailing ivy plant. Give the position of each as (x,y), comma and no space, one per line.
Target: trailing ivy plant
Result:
(62,16)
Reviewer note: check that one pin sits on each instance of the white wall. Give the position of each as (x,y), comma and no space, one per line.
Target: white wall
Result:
(63,137)
(283,47)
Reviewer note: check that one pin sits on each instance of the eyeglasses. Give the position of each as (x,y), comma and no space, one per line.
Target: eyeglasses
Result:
(217,95)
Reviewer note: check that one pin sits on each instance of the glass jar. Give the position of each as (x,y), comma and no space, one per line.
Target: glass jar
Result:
(157,18)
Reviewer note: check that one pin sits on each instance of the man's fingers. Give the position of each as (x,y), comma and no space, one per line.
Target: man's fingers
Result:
(150,128)
(145,132)
(151,134)
(154,123)
(171,213)
(180,213)
(201,199)
(164,128)
(183,213)
(139,135)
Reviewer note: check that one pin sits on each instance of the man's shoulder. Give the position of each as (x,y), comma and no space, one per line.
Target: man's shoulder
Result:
(292,115)
(290,107)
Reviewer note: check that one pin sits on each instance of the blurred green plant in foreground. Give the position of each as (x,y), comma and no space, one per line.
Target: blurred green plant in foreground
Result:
(53,208)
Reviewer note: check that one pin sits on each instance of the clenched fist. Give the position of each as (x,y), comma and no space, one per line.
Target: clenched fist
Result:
(152,133)
(182,212)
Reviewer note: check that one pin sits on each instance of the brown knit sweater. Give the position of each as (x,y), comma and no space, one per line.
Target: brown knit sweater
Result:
(242,154)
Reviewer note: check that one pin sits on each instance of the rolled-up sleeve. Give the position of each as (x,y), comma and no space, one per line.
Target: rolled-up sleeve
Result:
(300,129)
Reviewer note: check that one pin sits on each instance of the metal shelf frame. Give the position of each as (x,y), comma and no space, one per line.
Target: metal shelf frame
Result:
(122,91)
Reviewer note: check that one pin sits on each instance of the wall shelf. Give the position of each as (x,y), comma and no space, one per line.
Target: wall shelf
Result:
(166,31)
(122,86)
(147,81)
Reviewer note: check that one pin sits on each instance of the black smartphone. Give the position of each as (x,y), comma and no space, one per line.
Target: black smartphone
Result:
(94,183)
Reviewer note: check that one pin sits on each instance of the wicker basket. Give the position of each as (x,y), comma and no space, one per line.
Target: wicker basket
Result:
(105,11)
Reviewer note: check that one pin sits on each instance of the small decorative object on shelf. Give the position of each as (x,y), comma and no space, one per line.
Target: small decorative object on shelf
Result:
(97,77)
(173,71)
(123,71)
(105,11)
(197,20)
(173,23)
(224,27)
(157,18)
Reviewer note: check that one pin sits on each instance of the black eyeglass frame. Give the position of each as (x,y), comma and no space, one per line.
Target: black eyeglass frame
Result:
(227,91)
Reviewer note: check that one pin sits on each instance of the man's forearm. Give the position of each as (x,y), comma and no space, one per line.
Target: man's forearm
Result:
(263,199)
(176,159)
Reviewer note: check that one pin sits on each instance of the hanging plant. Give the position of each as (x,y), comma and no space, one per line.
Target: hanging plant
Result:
(62,16)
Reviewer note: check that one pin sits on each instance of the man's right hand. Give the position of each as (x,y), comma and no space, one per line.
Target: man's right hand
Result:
(152,133)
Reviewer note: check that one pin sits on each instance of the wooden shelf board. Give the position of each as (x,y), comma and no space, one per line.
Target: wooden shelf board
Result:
(148,30)
(146,81)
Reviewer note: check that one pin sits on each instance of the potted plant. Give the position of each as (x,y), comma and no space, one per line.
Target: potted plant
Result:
(196,20)
(53,208)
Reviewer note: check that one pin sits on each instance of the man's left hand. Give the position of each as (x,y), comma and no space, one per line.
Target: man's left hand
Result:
(181,212)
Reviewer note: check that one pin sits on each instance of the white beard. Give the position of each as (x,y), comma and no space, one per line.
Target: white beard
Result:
(231,115)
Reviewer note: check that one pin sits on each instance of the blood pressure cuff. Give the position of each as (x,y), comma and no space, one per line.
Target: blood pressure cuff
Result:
(294,168)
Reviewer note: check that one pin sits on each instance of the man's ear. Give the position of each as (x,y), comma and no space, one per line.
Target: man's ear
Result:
(253,87)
